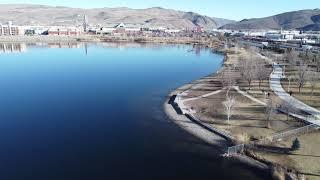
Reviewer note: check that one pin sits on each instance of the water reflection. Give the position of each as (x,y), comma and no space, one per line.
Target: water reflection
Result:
(12,48)
(64,45)
(22,47)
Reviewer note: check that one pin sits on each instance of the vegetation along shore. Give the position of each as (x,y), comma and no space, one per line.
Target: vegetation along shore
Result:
(237,110)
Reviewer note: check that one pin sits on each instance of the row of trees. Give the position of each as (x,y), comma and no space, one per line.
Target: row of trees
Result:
(307,68)
(253,68)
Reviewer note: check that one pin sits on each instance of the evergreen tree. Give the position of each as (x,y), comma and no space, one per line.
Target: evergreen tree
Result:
(295,145)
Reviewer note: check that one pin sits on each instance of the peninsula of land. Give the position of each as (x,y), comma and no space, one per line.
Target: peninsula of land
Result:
(250,111)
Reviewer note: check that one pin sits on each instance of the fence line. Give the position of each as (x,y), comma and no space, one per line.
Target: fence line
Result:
(208,126)
(239,149)
(287,134)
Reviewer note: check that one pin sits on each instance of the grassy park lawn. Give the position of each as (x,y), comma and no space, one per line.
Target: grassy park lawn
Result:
(306,159)
(305,95)
(247,123)
(306,92)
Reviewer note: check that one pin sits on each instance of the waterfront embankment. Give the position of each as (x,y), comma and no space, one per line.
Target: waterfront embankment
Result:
(211,42)
(204,101)
(204,130)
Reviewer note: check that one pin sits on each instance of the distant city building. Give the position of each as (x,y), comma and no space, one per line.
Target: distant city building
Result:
(172,30)
(10,30)
(68,31)
(35,30)
(121,28)
(282,35)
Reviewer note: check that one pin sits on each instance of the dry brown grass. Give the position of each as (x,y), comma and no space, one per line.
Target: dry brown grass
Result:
(305,95)
(306,159)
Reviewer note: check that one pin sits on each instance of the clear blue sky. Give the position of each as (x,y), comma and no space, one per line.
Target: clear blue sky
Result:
(231,9)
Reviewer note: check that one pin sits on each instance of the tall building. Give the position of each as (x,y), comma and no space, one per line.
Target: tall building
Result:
(10,30)
(85,23)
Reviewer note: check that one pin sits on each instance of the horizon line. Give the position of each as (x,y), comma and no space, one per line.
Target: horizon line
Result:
(160,7)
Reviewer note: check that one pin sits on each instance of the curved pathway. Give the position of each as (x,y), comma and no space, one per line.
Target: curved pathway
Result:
(275,85)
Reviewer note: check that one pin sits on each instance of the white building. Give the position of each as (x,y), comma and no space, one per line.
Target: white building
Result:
(10,30)
(172,30)
(282,35)
(120,28)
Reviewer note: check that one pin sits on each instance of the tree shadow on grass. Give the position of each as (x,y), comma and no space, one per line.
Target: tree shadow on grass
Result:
(273,149)
(296,154)
(249,126)
(310,174)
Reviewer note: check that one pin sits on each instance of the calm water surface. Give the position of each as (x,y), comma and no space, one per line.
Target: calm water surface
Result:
(95,112)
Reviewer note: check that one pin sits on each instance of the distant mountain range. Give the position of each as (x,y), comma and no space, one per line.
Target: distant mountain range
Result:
(302,20)
(151,17)
(23,14)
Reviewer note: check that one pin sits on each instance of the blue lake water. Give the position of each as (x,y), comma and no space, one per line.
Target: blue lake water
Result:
(94,111)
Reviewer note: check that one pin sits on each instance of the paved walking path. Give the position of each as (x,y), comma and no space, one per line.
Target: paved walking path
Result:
(249,96)
(275,85)
(180,100)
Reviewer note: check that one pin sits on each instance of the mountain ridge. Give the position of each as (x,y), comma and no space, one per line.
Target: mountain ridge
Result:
(30,14)
(307,19)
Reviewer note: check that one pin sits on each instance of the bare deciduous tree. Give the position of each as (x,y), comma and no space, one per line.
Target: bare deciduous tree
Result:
(301,76)
(291,56)
(229,105)
(269,112)
(290,79)
(242,66)
(221,37)
(252,52)
(313,78)
(306,56)
(227,80)
(288,55)
(317,62)
(262,73)
(250,71)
